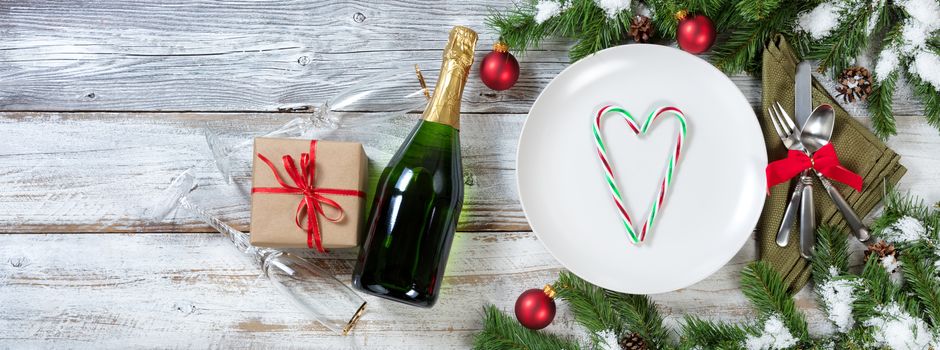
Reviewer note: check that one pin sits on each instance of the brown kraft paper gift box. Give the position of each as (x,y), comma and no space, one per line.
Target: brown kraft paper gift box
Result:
(338,166)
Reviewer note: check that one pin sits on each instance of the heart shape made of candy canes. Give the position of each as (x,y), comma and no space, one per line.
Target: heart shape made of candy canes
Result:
(639,130)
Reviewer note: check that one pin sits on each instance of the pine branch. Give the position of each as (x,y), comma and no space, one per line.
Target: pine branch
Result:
(917,257)
(839,49)
(707,7)
(727,17)
(701,333)
(640,315)
(921,277)
(831,252)
(501,332)
(888,21)
(859,338)
(517,28)
(583,21)
(878,290)
(742,50)
(589,303)
(764,287)
(664,17)
(881,99)
(756,10)
(929,95)
(881,106)
(898,205)
(934,43)
(598,35)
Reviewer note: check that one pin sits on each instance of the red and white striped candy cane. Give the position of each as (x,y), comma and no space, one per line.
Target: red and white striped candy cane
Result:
(609,173)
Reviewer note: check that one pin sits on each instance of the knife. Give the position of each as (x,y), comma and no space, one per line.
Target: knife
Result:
(802,94)
(802,107)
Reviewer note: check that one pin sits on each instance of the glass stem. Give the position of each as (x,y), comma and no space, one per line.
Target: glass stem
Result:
(239,238)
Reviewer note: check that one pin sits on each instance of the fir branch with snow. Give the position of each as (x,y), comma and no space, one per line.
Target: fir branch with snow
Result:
(834,290)
(774,336)
(926,65)
(546,9)
(613,7)
(897,329)
(904,33)
(821,21)
(887,63)
(836,297)
(893,267)
(904,230)
(910,26)
(869,309)
(593,24)
(608,340)
(906,220)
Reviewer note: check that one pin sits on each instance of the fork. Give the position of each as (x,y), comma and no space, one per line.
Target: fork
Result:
(790,136)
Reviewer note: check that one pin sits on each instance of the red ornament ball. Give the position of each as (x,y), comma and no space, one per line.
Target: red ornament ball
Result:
(499,70)
(535,308)
(695,34)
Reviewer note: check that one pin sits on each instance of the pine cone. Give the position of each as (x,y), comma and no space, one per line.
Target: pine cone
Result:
(854,83)
(641,28)
(633,342)
(881,248)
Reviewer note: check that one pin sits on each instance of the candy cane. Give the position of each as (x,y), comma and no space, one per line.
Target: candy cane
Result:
(609,173)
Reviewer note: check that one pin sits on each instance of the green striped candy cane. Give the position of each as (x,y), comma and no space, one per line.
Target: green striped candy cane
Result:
(609,173)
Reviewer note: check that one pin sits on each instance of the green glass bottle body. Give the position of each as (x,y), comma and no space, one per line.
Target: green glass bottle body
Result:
(418,197)
(413,218)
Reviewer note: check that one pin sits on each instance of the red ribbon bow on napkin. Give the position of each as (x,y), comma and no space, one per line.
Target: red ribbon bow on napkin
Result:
(824,161)
(313,197)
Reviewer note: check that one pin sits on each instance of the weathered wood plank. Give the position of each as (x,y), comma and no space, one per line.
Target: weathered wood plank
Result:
(90,172)
(167,290)
(190,55)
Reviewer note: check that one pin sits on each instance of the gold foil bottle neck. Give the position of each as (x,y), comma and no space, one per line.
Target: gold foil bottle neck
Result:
(444,107)
(461,45)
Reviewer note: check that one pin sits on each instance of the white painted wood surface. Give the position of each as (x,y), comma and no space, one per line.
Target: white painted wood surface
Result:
(90,172)
(179,290)
(103,102)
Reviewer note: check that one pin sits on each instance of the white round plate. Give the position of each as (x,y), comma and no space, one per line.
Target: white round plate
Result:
(718,187)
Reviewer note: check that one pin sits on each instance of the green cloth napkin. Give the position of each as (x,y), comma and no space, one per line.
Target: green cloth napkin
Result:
(859,150)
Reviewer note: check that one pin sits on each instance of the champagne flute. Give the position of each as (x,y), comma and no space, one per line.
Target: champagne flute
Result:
(313,290)
(393,94)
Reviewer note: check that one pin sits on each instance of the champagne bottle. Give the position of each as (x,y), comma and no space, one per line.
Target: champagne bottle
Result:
(419,194)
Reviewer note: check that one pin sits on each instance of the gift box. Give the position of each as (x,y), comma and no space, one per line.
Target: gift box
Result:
(307,193)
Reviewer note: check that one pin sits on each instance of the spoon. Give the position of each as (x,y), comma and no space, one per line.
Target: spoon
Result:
(816,133)
(795,204)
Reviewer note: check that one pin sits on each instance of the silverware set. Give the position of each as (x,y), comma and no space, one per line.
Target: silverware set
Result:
(814,132)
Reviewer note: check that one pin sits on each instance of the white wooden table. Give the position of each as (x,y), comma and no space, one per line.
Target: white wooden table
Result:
(103,102)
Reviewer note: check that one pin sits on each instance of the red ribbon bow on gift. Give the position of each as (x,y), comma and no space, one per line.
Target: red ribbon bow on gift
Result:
(313,197)
(824,161)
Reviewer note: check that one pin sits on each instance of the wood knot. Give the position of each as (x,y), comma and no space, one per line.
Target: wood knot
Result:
(359,17)
(469,179)
(294,109)
(19,262)
(185,307)
(303,60)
